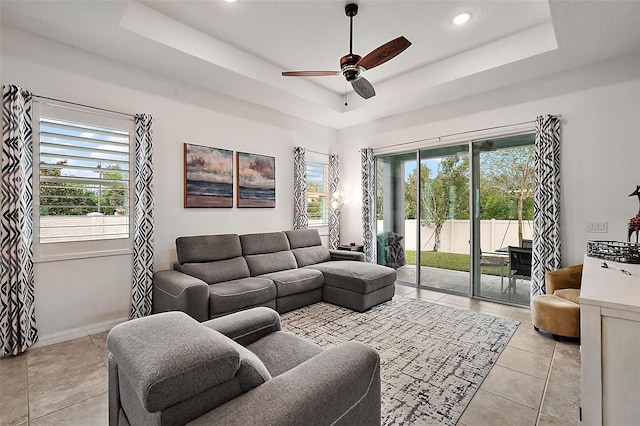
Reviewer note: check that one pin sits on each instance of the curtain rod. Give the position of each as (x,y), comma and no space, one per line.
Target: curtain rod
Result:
(316,152)
(457,134)
(85,106)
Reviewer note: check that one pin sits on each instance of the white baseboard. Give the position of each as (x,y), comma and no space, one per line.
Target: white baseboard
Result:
(74,333)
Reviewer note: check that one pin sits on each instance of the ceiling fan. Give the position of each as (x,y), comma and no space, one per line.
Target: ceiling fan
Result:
(352,66)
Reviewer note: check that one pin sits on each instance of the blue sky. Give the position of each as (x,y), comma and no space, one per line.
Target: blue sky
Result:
(432,163)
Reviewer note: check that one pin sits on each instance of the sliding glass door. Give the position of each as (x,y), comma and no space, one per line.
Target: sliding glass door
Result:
(450,218)
(396,226)
(444,219)
(423,217)
(504,226)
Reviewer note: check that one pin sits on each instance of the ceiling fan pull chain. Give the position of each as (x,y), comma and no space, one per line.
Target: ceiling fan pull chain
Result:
(346,103)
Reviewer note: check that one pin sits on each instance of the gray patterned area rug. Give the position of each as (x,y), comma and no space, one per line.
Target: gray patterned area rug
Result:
(433,357)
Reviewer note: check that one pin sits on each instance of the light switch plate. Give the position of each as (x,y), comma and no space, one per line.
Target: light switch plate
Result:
(597,227)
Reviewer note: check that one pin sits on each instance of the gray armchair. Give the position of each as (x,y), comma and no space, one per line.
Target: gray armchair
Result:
(168,369)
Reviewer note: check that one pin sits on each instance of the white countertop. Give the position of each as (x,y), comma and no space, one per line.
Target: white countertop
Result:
(610,287)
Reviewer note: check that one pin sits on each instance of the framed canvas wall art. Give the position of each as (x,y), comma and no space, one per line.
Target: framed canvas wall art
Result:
(256,180)
(208,176)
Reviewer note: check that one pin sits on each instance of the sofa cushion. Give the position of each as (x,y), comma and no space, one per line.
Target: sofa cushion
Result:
(359,277)
(162,375)
(570,294)
(299,238)
(218,271)
(311,255)
(267,242)
(206,248)
(296,281)
(239,294)
(260,264)
(270,351)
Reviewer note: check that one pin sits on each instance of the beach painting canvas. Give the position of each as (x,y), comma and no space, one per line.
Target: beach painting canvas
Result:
(256,180)
(208,176)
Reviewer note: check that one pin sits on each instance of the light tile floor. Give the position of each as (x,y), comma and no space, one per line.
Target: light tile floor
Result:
(536,380)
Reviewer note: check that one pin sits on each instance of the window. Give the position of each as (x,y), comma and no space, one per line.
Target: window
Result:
(82,182)
(318,196)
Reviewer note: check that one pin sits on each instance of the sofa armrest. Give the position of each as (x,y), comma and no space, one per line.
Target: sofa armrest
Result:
(175,291)
(246,327)
(114,392)
(346,255)
(339,386)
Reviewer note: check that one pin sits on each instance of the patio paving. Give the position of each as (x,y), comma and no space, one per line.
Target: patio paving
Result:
(458,281)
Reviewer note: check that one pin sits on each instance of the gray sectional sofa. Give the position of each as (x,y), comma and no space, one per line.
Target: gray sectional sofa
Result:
(220,274)
(168,369)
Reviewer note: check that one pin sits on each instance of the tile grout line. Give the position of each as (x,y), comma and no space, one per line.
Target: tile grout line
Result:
(508,399)
(526,374)
(67,406)
(546,383)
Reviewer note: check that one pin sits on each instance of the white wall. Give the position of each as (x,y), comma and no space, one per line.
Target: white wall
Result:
(600,149)
(78,297)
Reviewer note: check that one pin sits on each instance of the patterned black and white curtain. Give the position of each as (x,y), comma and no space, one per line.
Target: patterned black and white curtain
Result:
(334,205)
(17,315)
(143,219)
(300,220)
(368,204)
(546,202)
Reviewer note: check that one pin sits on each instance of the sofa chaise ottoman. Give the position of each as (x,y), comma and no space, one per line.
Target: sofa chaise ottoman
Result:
(221,274)
(352,284)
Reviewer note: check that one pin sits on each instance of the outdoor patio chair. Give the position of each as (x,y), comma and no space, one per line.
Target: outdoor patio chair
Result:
(519,266)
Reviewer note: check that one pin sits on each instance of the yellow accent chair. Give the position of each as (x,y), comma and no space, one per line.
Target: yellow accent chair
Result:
(558,311)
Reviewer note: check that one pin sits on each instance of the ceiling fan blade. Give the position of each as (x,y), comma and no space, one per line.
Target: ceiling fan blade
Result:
(383,53)
(309,73)
(363,88)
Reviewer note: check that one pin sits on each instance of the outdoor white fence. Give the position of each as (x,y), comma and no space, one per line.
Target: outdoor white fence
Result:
(79,228)
(456,234)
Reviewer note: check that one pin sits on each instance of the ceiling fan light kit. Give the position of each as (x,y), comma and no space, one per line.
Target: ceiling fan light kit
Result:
(352,66)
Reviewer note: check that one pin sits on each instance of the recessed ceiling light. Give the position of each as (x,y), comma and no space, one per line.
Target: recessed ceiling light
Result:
(230,1)
(461,18)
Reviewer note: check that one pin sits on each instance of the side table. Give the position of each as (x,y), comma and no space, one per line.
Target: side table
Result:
(349,247)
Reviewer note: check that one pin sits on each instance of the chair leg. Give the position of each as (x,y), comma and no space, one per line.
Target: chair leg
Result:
(502,289)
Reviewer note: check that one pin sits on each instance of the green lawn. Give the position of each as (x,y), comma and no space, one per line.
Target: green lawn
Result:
(452,261)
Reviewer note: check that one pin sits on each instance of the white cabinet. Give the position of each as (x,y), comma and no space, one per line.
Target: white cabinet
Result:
(610,344)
